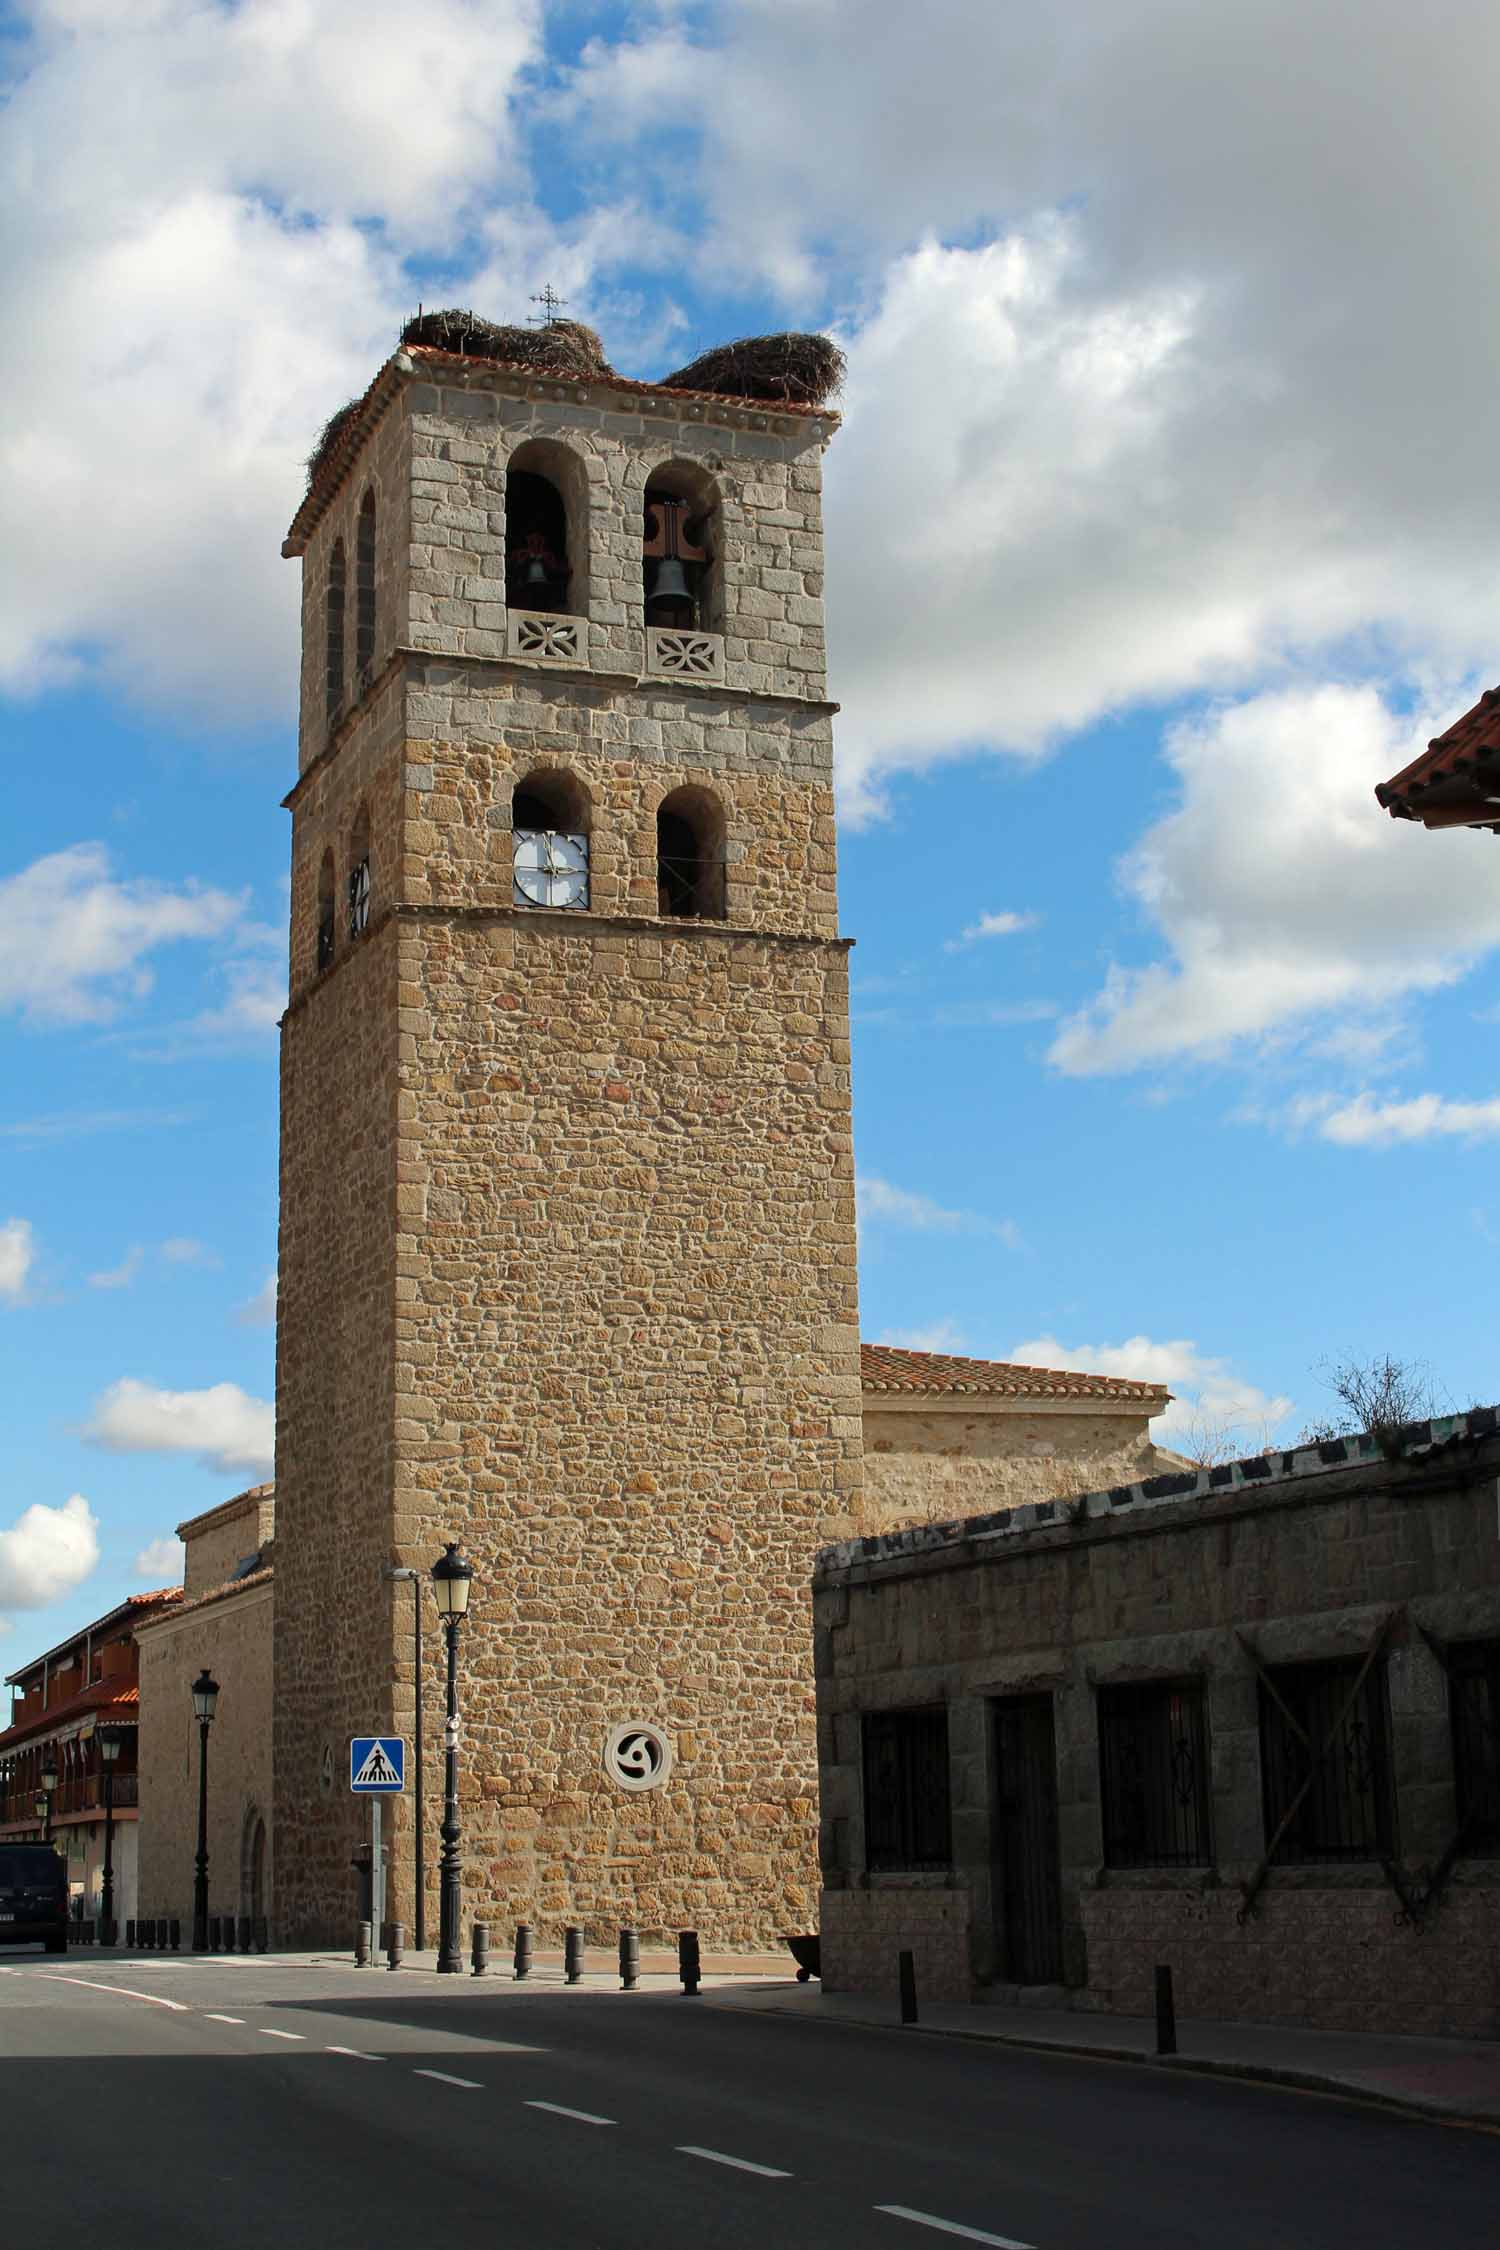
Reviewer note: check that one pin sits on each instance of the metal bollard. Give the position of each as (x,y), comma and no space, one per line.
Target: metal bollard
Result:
(242,1933)
(174,1934)
(362,1945)
(630,1960)
(395,1951)
(572,1954)
(689,1962)
(523,1951)
(148,1935)
(161,1933)
(130,1935)
(906,1978)
(480,1951)
(262,1934)
(1166,2013)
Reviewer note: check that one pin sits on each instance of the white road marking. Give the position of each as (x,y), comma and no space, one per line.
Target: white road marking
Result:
(951,2226)
(740,2163)
(225,2019)
(444,2078)
(584,2116)
(267,2032)
(178,2007)
(356,2054)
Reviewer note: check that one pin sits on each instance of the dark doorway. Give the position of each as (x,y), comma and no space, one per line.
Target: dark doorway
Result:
(1028,1890)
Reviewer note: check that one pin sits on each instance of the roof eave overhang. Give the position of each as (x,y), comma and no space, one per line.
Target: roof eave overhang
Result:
(1012,1402)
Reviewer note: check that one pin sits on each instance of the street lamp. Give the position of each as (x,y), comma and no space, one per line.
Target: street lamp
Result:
(44,1801)
(109,1751)
(392,1570)
(451,1577)
(205,1693)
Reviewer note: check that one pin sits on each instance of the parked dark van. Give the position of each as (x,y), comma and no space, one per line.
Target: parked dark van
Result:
(33,1896)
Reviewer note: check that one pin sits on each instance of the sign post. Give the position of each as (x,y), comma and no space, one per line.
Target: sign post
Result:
(377,1768)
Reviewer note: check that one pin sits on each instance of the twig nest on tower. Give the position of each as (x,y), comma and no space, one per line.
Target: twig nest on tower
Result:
(559,347)
(789,369)
(328,436)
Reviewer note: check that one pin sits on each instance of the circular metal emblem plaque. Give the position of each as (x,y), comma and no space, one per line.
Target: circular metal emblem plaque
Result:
(637,1756)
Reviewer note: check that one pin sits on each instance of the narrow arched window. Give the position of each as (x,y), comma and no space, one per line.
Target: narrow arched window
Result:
(678,551)
(335,630)
(550,841)
(325,911)
(538,573)
(357,890)
(690,855)
(364,593)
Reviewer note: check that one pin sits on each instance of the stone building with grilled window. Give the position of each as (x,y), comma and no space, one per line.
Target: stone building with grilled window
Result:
(1241,1720)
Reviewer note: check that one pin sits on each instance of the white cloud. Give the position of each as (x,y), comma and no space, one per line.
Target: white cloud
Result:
(1368,1123)
(160,1560)
(187,1250)
(1285,897)
(1005,924)
(77,941)
(223,1426)
(935,1336)
(17,1256)
(1209,1399)
(259,1311)
(47,1552)
(876,1201)
(122,1275)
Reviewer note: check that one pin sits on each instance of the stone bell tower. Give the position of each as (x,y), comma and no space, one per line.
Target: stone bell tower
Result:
(567,1260)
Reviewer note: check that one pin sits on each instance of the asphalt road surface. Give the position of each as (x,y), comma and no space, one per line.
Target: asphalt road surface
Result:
(259,2105)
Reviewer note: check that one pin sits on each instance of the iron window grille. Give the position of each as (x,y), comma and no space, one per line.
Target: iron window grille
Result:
(908,1822)
(1344,1743)
(1474,1702)
(359,898)
(1154,1775)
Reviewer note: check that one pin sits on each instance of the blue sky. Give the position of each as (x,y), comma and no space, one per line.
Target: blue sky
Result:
(1159,532)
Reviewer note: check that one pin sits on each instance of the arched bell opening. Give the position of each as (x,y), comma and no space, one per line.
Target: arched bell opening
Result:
(546,529)
(550,817)
(681,574)
(364,594)
(334,631)
(326,934)
(690,835)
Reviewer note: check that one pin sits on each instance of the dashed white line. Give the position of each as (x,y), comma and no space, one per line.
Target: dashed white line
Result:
(740,2163)
(355,2054)
(445,2078)
(951,2226)
(584,2116)
(225,2019)
(267,2032)
(122,1991)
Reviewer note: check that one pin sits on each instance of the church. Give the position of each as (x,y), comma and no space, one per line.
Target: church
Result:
(567,1249)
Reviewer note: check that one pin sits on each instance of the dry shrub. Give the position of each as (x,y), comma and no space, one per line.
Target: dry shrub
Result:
(789,369)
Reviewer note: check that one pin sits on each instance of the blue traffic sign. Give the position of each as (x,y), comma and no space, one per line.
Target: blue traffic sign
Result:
(377,1765)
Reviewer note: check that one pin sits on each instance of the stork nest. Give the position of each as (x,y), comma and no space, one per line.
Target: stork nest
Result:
(786,370)
(328,437)
(561,347)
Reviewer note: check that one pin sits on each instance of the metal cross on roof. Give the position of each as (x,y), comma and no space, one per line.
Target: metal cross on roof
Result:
(551,305)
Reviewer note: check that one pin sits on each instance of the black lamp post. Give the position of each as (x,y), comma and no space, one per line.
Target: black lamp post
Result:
(109,1750)
(44,1802)
(451,1577)
(205,1696)
(418,1826)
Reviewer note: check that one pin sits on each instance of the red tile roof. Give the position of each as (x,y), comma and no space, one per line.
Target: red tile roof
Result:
(1455,783)
(124,1613)
(106,1699)
(888,1367)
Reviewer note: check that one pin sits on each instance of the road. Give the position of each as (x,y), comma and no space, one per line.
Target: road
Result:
(240,2104)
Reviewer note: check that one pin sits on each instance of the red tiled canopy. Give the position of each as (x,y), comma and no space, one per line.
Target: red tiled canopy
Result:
(888,1367)
(1456,781)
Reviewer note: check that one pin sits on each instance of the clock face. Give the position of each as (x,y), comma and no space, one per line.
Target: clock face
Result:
(551,869)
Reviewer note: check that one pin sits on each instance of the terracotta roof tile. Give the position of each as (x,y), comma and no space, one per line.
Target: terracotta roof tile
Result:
(1455,783)
(889,1367)
(106,1699)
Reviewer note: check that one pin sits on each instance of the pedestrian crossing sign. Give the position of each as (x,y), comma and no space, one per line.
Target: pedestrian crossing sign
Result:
(377,1765)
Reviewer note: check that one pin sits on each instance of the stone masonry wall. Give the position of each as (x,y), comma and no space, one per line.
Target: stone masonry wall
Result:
(864,1932)
(932,1466)
(232,1637)
(214,1544)
(1301,1558)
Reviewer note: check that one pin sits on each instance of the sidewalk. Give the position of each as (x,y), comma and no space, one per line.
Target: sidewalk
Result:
(1453,2079)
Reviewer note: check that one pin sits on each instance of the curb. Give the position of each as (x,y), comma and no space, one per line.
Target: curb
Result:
(1415,2106)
